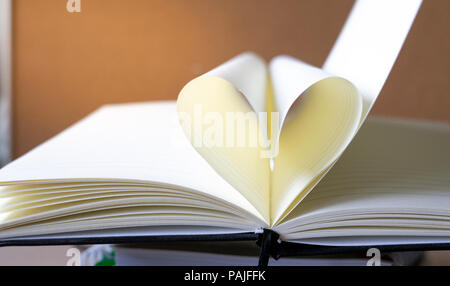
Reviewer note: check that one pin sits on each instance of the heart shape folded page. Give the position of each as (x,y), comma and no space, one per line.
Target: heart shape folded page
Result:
(270,131)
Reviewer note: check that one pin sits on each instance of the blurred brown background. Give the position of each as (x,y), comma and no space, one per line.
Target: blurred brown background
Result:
(67,65)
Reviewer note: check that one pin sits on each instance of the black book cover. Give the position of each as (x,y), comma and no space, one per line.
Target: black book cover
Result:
(268,241)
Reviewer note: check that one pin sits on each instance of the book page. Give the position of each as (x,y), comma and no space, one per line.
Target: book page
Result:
(369,44)
(364,55)
(248,73)
(218,112)
(130,232)
(290,79)
(320,115)
(118,148)
(393,181)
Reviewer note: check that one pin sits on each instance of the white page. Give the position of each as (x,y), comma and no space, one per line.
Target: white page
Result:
(364,53)
(369,43)
(139,231)
(248,73)
(140,143)
(395,171)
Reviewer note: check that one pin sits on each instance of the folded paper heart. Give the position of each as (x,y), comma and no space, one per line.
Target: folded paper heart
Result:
(272,153)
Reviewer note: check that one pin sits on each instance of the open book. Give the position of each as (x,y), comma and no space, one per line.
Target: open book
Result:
(144,168)
(118,169)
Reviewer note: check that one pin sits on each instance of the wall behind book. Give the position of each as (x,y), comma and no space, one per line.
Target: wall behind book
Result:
(68,64)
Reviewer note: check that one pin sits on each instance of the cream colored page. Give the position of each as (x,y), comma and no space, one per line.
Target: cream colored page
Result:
(133,142)
(393,180)
(219,141)
(219,113)
(248,73)
(17,207)
(320,115)
(290,78)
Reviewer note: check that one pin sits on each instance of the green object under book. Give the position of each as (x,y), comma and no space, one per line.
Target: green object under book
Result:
(99,255)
